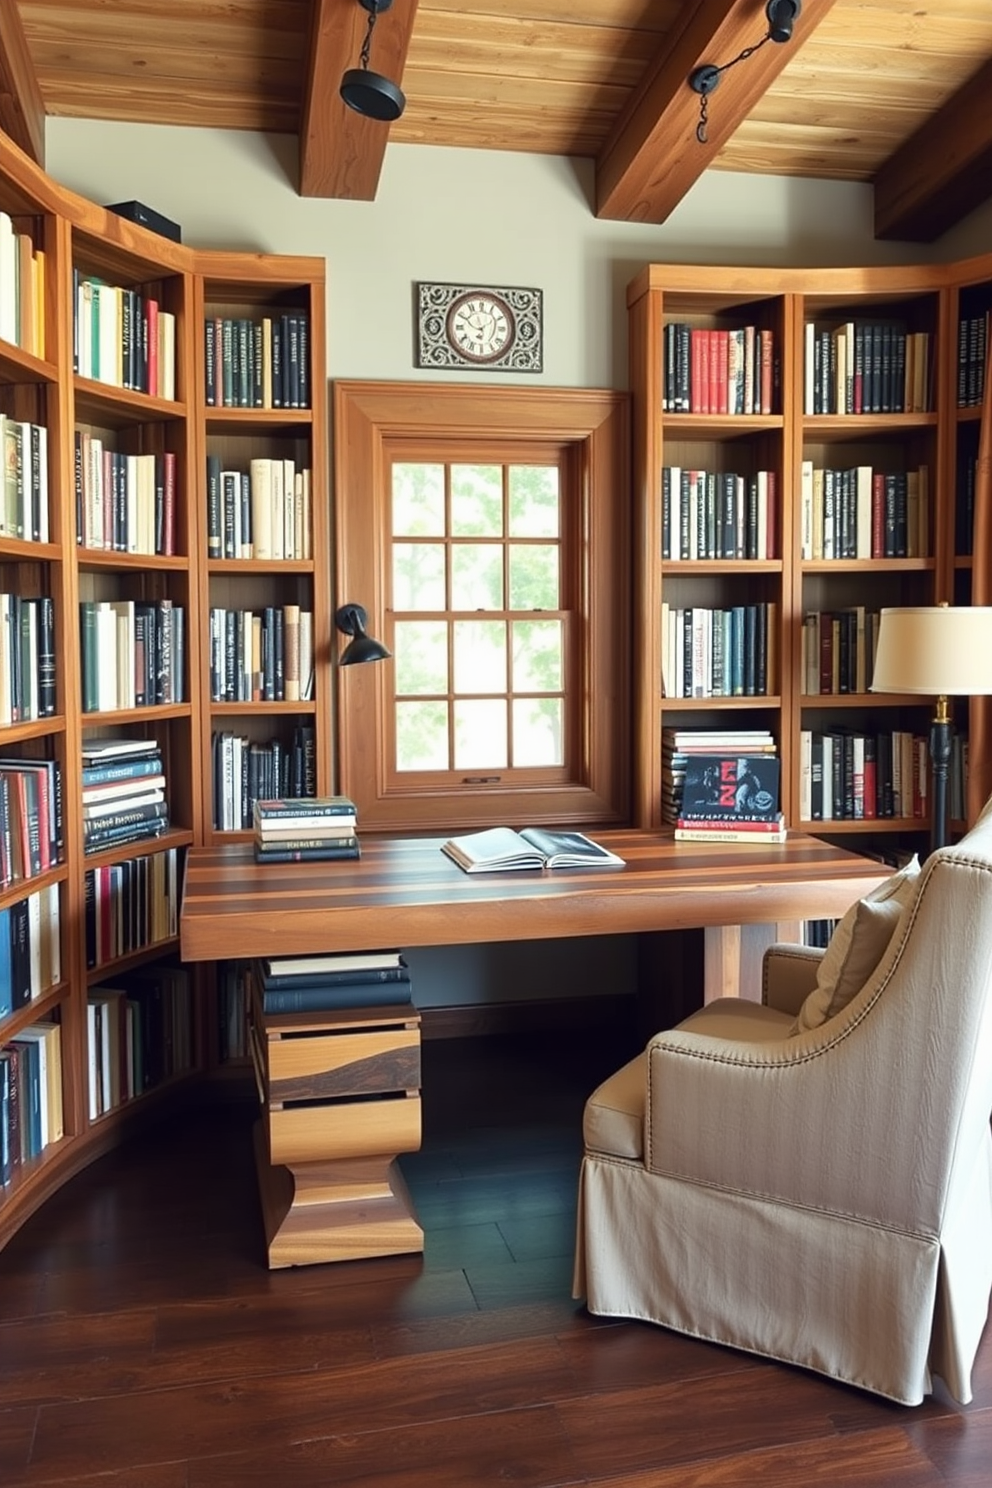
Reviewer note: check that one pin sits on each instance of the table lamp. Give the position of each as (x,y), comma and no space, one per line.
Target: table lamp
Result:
(940,651)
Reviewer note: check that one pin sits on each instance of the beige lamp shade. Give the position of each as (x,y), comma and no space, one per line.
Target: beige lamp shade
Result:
(938,650)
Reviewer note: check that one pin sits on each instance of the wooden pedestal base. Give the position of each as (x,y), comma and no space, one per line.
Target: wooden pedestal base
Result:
(337,1210)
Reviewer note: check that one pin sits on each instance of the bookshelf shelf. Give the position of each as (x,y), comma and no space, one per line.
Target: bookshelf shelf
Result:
(122,407)
(19,366)
(699,567)
(105,558)
(96,975)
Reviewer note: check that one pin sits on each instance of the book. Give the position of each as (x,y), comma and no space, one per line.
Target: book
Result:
(366,976)
(329,852)
(731,785)
(340,847)
(757,825)
(307,832)
(340,964)
(765,833)
(501,850)
(307,806)
(329,995)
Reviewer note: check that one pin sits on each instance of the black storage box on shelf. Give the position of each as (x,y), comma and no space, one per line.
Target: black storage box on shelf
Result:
(136,211)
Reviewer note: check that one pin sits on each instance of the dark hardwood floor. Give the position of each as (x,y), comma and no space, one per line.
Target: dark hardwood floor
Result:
(143,1343)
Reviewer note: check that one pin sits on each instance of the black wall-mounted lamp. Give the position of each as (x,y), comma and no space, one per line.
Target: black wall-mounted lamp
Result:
(782,16)
(369,93)
(352,619)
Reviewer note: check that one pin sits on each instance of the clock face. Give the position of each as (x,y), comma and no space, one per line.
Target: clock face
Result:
(488,327)
(480,327)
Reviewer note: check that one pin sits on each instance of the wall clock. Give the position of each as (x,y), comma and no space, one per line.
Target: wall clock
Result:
(489,327)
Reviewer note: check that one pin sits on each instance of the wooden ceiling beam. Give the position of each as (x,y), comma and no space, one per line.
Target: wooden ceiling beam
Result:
(341,152)
(22,109)
(653,155)
(943,171)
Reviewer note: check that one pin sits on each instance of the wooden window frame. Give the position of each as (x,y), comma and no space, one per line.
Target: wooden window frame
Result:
(593,428)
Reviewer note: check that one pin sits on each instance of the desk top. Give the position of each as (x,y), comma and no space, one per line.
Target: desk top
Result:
(407,892)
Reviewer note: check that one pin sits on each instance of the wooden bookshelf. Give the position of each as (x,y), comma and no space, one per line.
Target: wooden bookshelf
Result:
(810,428)
(95,551)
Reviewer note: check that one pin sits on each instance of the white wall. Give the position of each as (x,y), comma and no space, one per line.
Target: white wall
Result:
(465,216)
(472,217)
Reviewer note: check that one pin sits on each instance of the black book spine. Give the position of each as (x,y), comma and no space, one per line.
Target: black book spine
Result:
(20,954)
(46,657)
(324,999)
(279,655)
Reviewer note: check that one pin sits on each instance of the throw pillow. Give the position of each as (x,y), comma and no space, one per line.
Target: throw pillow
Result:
(857,946)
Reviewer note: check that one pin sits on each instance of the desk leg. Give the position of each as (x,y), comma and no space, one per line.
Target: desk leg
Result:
(334,1211)
(733,956)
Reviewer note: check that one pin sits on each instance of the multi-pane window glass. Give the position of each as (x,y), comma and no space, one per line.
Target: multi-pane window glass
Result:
(479,616)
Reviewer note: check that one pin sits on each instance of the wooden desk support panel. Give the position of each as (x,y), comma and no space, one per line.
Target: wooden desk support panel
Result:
(340,1098)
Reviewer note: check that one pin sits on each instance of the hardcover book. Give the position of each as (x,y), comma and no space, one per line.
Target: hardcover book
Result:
(731,786)
(501,850)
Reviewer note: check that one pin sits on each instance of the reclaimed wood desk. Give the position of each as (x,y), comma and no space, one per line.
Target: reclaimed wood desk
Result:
(405,892)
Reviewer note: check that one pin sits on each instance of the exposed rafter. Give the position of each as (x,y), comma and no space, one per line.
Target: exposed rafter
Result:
(341,152)
(22,111)
(653,156)
(942,172)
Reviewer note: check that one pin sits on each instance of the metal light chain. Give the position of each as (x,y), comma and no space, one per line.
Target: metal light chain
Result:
(706,79)
(367,43)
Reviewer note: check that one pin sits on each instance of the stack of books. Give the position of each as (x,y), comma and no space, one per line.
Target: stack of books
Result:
(310,984)
(123,792)
(726,791)
(681,747)
(305,829)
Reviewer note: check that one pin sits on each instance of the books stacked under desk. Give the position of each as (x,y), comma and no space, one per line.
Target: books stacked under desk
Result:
(722,786)
(309,984)
(306,829)
(123,792)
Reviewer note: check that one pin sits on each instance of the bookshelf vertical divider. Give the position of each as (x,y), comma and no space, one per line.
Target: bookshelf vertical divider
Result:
(44,386)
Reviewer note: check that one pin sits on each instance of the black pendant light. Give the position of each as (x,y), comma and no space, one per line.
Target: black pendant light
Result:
(367,92)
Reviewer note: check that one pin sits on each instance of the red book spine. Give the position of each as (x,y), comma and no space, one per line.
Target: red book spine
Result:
(698,372)
(772,520)
(169,503)
(151,317)
(767,371)
(722,339)
(713,380)
(747,827)
(871,781)
(878,515)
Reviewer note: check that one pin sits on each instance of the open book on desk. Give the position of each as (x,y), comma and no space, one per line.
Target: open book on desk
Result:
(500,849)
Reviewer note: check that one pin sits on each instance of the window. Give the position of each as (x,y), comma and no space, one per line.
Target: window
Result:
(485,531)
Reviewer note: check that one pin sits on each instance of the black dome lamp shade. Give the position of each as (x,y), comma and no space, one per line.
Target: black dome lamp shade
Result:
(369,93)
(351,619)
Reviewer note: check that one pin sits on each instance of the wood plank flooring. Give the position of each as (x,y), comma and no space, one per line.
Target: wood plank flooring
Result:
(143,1343)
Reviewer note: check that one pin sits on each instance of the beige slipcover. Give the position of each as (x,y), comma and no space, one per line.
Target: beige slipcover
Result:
(823,1198)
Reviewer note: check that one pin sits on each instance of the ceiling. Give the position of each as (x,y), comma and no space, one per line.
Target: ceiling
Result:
(892,92)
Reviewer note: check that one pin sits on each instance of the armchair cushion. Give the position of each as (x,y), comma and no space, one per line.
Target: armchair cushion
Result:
(613,1120)
(857,946)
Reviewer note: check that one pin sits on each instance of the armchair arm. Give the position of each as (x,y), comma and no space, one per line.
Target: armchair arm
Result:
(788,976)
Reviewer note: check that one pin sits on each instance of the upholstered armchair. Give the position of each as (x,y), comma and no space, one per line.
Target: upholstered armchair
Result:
(810,1178)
